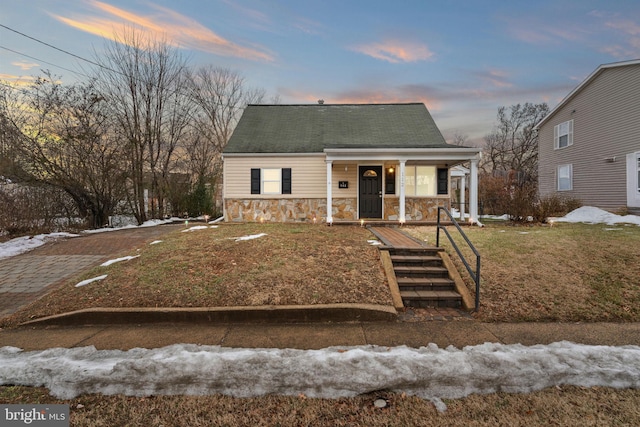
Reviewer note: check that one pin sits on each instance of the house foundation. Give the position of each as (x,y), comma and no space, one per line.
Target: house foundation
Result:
(310,210)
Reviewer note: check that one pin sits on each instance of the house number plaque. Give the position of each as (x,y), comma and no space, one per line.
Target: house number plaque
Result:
(343,184)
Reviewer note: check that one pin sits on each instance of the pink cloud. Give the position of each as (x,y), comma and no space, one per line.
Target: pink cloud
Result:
(625,26)
(629,45)
(178,29)
(497,78)
(396,51)
(23,65)
(391,95)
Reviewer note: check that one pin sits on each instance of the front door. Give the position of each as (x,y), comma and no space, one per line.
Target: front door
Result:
(633,180)
(370,205)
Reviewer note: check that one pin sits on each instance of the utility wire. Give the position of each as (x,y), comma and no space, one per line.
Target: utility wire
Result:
(63,51)
(53,47)
(42,60)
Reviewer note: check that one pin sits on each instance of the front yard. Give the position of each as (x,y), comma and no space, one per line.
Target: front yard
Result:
(564,272)
(568,272)
(232,265)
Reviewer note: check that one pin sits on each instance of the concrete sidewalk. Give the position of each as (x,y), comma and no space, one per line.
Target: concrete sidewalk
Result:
(458,333)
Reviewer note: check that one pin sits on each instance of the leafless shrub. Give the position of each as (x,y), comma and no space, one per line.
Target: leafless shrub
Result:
(556,205)
(35,209)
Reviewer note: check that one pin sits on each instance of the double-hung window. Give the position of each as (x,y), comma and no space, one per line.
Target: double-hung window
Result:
(565,177)
(271,181)
(563,135)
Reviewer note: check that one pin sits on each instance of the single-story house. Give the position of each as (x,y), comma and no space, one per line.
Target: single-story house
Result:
(589,144)
(365,161)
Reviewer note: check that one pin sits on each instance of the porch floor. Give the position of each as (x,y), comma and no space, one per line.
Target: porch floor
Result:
(395,238)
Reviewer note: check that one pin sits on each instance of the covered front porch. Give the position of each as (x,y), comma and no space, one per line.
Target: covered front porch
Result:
(396,185)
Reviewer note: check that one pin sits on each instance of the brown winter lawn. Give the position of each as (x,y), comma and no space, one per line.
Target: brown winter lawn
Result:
(568,272)
(564,272)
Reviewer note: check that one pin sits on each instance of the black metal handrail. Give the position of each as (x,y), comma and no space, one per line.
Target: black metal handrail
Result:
(474,275)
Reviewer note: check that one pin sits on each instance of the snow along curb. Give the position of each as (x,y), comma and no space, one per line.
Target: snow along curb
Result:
(262,314)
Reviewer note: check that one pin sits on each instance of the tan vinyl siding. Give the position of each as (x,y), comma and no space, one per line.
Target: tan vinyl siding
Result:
(340,174)
(308,176)
(606,125)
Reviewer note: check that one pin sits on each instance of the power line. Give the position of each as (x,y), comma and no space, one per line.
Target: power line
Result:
(42,60)
(62,50)
(52,46)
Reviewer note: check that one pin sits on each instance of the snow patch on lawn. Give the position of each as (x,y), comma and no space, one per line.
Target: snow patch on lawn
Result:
(24,244)
(113,261)
(195,228)
(250,237)
(591,215)
(150,223)
(95,279)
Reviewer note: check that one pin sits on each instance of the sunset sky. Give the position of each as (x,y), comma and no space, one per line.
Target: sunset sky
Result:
(463,59)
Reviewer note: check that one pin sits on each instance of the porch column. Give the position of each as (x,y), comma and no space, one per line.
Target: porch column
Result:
(463,185)
(329,195)
(473,192)
(402,207)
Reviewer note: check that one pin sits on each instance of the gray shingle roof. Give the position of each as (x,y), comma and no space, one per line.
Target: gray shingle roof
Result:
(312,128)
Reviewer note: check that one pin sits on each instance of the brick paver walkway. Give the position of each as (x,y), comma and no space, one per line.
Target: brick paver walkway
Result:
(25,278)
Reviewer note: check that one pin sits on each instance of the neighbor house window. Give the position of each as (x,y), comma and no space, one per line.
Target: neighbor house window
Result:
(565,177)
(425,181)
(271,181)
(563,134)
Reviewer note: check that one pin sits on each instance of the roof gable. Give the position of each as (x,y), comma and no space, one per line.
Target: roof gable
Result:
(311,128)
(602,68)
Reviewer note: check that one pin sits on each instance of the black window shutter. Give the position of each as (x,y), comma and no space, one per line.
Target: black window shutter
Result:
(255,181)
(286,180)
(443,181)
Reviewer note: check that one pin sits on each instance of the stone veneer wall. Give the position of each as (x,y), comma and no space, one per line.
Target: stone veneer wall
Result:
(301,210)
(288,210)
(415,208)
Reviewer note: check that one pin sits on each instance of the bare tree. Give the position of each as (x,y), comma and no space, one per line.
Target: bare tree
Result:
(460,139)
(512,147)
(61,139)
(221,96)
(144,81)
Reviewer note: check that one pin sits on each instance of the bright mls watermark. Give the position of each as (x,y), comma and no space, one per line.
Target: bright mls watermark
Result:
(34,415)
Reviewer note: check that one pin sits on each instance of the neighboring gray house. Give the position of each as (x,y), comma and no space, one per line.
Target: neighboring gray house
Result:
(366,161)
(589,145)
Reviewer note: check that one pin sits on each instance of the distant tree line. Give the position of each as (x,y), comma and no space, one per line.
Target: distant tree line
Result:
(143,134)
(508,181)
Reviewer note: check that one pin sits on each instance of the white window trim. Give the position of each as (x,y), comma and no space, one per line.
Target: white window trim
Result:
(557,135)
(570,168)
